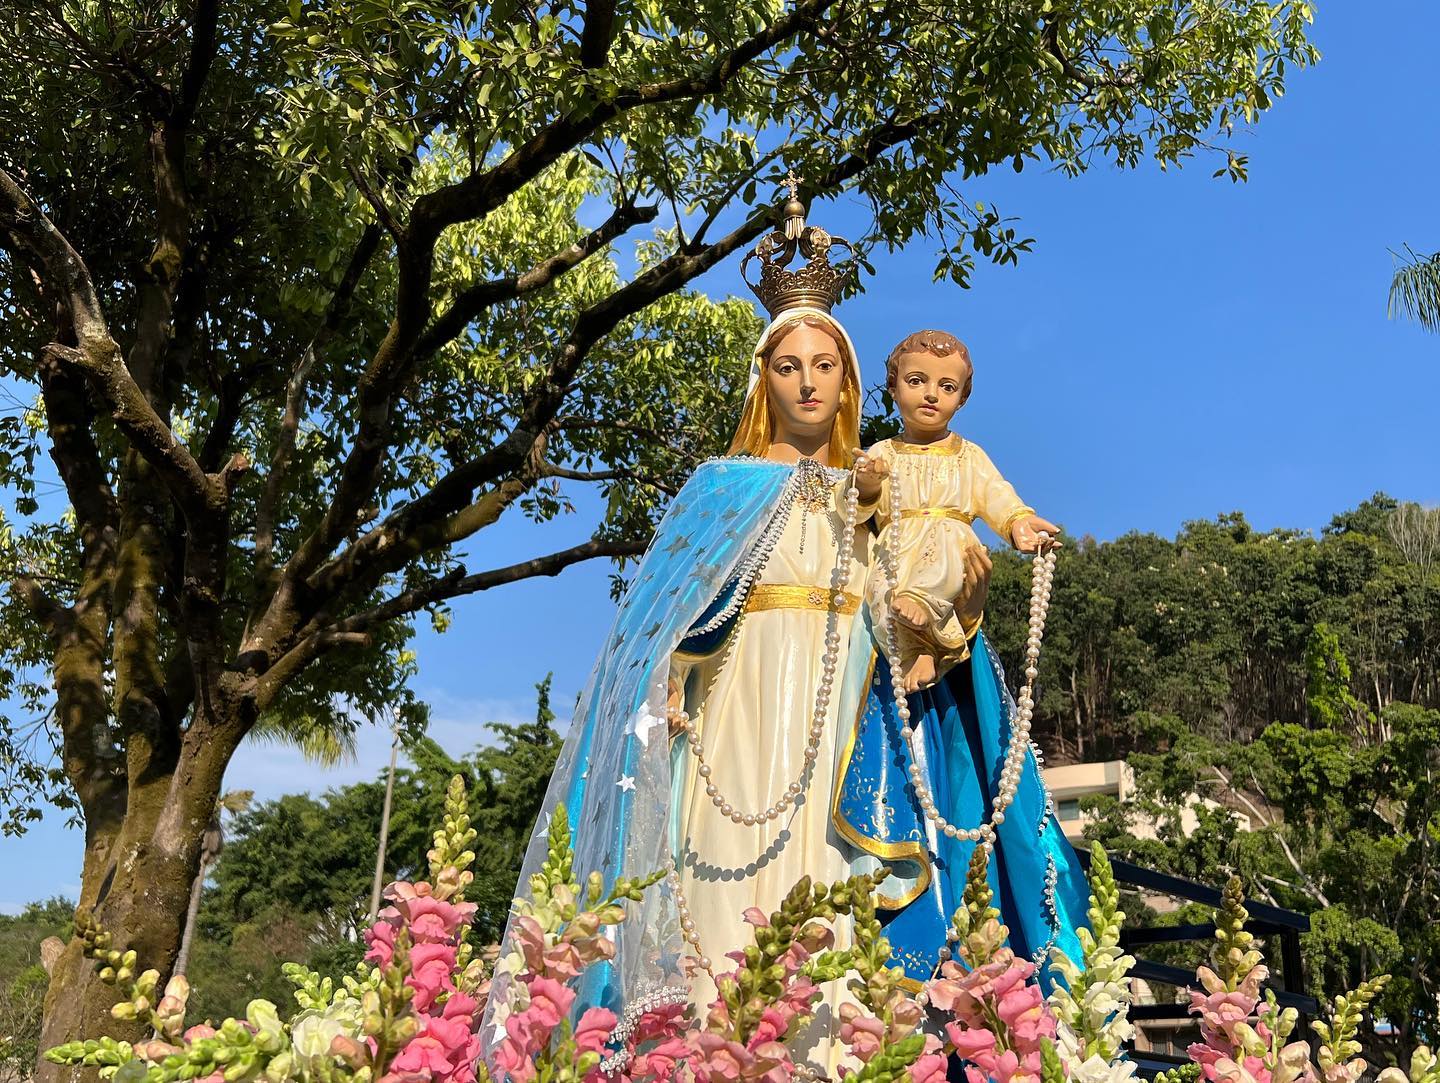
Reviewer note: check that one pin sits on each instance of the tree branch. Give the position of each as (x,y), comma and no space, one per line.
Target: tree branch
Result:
(96,354)
(455,586)
(382,209)
(472,199)
(395,540)
(473,301)
(618,474)
(70,422)
(597,34)
(203,43)
(479,194)
(335,312)
(47,612)
(1290,857)
(1051,36)
(355,628)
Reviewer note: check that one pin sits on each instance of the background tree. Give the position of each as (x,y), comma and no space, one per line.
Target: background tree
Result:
(301,865)
(310,294)
(1224,625)
(1290,681)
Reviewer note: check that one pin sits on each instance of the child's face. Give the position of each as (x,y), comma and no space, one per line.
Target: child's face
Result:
(928,388)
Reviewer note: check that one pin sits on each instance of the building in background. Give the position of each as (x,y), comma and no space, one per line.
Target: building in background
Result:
(1070,783)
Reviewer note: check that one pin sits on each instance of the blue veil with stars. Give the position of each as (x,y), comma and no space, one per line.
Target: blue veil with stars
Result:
(613,775)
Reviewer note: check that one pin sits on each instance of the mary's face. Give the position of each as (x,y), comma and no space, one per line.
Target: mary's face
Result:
(803,380)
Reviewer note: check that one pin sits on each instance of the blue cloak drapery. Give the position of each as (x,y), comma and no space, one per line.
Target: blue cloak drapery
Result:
(1036,878)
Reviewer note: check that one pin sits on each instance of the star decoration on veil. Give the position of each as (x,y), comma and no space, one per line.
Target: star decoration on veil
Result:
(626,783)
(644,721)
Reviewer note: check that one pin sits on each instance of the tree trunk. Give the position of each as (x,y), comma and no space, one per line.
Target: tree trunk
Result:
(137,894)
(137,884)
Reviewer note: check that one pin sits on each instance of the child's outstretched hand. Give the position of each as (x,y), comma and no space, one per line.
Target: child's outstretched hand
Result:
(1026,533)
(869,473)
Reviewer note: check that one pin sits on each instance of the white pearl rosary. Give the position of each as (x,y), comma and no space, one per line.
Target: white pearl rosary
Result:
(687,921)
(1042,577)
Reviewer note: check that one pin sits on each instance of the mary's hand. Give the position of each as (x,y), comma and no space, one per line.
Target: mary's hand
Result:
(970,602)
(674,708)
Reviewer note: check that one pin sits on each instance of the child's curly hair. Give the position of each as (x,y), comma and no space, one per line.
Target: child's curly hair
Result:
(939,343)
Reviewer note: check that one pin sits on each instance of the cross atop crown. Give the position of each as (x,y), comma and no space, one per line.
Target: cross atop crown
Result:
(817,283)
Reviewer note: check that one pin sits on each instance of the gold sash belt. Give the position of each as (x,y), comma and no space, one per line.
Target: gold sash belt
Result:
(765,596)
(936,513)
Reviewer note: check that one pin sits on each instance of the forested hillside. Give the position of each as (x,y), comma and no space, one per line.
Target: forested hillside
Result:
(1292,680)
(1224,625)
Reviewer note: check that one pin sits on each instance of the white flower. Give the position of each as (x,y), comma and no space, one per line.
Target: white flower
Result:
(312,1032)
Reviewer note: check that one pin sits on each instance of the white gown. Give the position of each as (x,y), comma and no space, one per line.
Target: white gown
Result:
(753,700)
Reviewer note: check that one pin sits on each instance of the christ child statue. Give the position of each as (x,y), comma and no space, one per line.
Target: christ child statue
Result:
(945,484)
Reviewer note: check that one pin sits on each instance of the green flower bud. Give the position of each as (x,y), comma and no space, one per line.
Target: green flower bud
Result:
(132,1071)
(280,1068)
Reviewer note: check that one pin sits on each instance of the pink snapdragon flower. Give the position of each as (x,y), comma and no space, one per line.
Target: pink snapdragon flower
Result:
(861,1031)
(999,1017)
(431,920)
(1220,1053)
(380,943)
(432,973)
(718,1059)
(438,1049)
(445,1047)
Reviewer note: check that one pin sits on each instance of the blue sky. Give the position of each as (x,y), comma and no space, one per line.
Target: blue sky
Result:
(1175,347)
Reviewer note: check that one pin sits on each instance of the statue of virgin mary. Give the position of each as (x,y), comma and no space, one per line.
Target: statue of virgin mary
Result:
(740,728)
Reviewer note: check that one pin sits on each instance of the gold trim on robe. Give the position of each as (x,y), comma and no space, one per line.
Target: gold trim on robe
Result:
(765,596)
(951,445)
(937,513)
(1010,521)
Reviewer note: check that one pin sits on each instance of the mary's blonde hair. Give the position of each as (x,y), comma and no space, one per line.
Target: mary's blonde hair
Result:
(756,431)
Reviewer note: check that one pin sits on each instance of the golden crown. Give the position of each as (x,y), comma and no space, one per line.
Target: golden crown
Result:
(819,283)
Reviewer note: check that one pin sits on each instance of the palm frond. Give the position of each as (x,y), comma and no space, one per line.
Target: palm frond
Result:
(236,801)
(318,739)
(1415,289)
